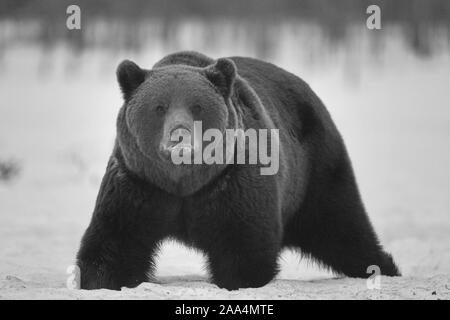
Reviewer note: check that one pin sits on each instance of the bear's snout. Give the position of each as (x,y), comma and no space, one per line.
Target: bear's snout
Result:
(179,140)
(179,134)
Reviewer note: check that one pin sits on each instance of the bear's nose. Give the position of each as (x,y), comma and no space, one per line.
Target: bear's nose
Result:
(180,134)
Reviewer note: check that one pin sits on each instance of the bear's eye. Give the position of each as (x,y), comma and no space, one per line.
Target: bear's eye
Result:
(160,109)
(196,108)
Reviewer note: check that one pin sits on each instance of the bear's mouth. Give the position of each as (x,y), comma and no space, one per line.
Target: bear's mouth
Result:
(177,144)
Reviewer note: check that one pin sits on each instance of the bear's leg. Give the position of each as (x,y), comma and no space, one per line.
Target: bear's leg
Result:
(237,224)
(334,229)
(119,244)
(237,268)
(112,261)
(242,247)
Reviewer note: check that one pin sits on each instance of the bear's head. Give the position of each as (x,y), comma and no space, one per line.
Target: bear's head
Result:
(158,115)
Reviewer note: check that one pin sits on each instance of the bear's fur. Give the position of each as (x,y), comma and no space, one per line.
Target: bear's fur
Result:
(239,218)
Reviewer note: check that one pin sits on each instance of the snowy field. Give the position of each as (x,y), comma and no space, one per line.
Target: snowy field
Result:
(57,120)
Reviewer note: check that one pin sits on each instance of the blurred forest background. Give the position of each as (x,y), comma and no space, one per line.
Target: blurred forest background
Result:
(116,24)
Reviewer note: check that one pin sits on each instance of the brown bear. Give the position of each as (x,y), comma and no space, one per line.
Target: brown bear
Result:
(241,219)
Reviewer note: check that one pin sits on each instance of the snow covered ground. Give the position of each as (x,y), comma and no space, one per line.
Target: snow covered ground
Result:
(57,120)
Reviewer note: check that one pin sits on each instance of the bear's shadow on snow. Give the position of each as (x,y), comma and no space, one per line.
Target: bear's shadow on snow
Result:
(174,280)
(203,280)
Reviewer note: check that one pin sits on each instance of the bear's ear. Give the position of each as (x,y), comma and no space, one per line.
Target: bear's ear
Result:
(129,76)
(222,74)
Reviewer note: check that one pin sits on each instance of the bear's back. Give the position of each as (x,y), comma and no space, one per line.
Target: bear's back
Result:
(288,100)
(189,58)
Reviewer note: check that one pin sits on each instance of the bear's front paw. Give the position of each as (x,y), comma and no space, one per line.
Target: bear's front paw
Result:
(97,276)
(235,284)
